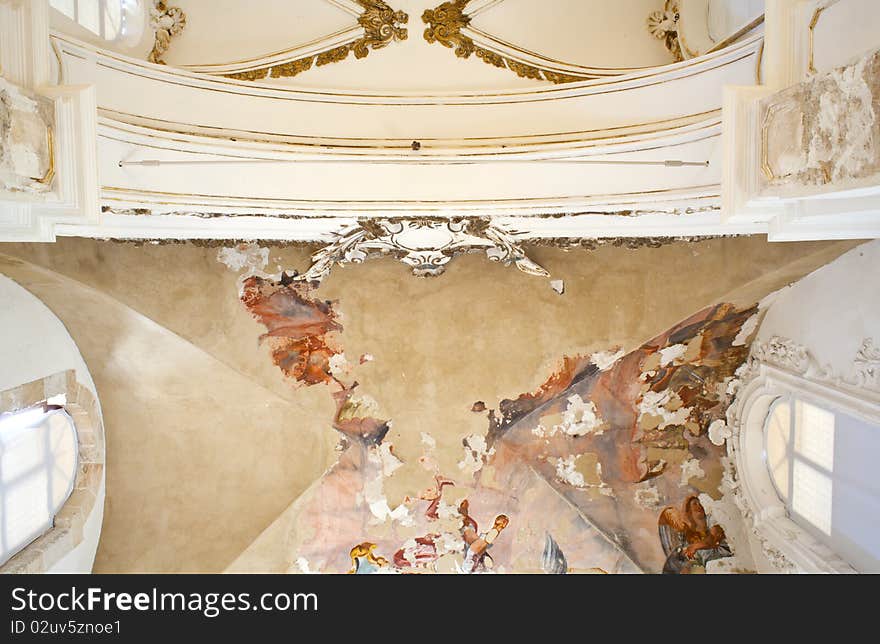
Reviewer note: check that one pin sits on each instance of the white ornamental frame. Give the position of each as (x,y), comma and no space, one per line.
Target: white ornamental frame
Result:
(780,368)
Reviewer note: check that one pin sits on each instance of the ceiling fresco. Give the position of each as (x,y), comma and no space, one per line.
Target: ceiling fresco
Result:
(292,425)
(601,469)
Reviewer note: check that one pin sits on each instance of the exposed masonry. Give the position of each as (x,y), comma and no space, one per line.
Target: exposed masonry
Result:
(26,121)
(825,130)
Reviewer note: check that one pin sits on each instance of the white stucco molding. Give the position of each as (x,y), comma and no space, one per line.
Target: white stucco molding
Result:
(813,48)
(24,51)
(778,368)
(73,197)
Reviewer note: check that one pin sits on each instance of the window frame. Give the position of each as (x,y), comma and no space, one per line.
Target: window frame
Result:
(67,531)
(793,457)
(47,413)
(776,530)
(121,36)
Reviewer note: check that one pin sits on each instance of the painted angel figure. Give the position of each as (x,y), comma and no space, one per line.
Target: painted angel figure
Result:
(477,544)
(363,561)
(687,538)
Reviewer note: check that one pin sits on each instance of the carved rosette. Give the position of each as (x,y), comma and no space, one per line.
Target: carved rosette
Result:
(426,245)
(166,22)
(382,25)
(663,25)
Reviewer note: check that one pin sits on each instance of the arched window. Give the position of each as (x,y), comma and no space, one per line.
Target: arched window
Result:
(122,21)
(821,462)
(38,465)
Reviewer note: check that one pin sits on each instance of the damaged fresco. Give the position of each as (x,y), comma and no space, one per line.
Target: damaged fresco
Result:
(599,470)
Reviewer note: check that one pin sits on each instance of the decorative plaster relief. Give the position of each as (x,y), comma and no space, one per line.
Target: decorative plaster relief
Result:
(27,160)
(426,245)
(381,24)
(824,130)
(784,544)
(796,358)
(166,22)
(445,24)
(663,25)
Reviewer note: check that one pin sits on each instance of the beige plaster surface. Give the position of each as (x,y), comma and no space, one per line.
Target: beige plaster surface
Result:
(199,458)
(207,444)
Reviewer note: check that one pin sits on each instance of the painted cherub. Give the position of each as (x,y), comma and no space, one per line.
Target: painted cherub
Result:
(476,557)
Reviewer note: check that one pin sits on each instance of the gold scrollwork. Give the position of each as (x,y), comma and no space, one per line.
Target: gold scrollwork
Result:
(381,24)
(47,177)
(444,26)
(166,22)
(766,167)
(811,56)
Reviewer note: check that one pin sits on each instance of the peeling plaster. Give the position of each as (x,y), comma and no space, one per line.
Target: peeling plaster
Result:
(826,129)
(606,359)
(579,418)
(691,469)
(300,329)
(567,473)
(747,331)
(672,354)
(476,451)
(26,121)
(248,257)
(719,432)
(665,406)
(658,403)
(647,496)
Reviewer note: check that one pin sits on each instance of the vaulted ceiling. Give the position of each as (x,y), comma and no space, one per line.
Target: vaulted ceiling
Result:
(474,44)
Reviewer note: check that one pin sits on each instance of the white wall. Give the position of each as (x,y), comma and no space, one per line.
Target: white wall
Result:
(59,22)
(35,344)
(832,310)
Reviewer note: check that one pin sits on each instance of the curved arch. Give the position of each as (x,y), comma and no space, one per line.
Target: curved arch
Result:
(782,371)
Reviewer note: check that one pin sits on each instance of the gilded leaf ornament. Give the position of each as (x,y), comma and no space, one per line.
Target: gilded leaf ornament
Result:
(166,22)
(444,26)
(381,24)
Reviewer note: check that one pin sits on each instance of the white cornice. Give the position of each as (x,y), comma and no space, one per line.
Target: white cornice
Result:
(69,46)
